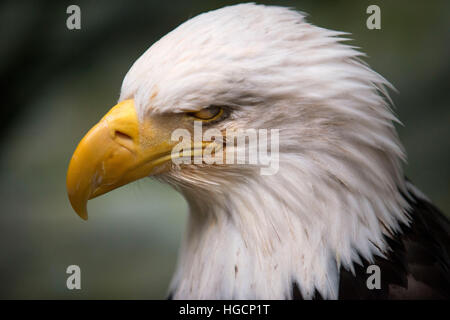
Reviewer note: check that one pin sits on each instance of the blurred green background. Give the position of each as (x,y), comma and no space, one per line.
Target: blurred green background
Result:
(56,83)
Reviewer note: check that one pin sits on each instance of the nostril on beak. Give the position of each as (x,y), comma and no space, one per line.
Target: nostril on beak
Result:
(121,135)
(124,140)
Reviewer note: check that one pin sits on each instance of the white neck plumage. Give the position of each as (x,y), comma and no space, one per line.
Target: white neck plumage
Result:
(261,234)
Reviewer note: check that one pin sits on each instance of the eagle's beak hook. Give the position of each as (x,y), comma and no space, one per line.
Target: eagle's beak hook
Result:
(116,151)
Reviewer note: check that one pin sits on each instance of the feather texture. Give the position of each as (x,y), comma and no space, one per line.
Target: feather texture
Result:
(338,200)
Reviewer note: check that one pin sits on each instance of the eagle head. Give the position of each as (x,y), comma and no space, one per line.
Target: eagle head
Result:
(336,190)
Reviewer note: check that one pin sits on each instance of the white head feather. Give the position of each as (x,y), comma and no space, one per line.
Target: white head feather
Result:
(337,193)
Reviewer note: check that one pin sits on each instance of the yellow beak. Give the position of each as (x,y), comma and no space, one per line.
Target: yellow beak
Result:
(116,151)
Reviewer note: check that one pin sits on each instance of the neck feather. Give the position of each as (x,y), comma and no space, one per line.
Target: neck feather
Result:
(260,235)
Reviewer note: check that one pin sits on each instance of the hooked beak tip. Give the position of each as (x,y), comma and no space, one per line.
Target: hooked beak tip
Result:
(79,206)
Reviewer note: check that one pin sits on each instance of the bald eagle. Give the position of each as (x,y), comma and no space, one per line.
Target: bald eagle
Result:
(339,201)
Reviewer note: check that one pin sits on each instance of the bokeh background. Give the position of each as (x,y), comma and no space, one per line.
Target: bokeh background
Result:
(56,83)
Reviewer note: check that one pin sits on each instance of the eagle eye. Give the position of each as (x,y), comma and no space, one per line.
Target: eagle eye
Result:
(208,114)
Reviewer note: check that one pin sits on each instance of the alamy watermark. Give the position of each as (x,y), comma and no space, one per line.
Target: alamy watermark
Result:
(374,20)
(241,146)
(73,21)
(74,280)
(374,280)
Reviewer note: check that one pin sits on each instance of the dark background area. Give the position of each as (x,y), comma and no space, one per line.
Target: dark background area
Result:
(56,83)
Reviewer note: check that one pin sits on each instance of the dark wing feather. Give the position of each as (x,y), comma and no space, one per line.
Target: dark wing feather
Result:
(418,265)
